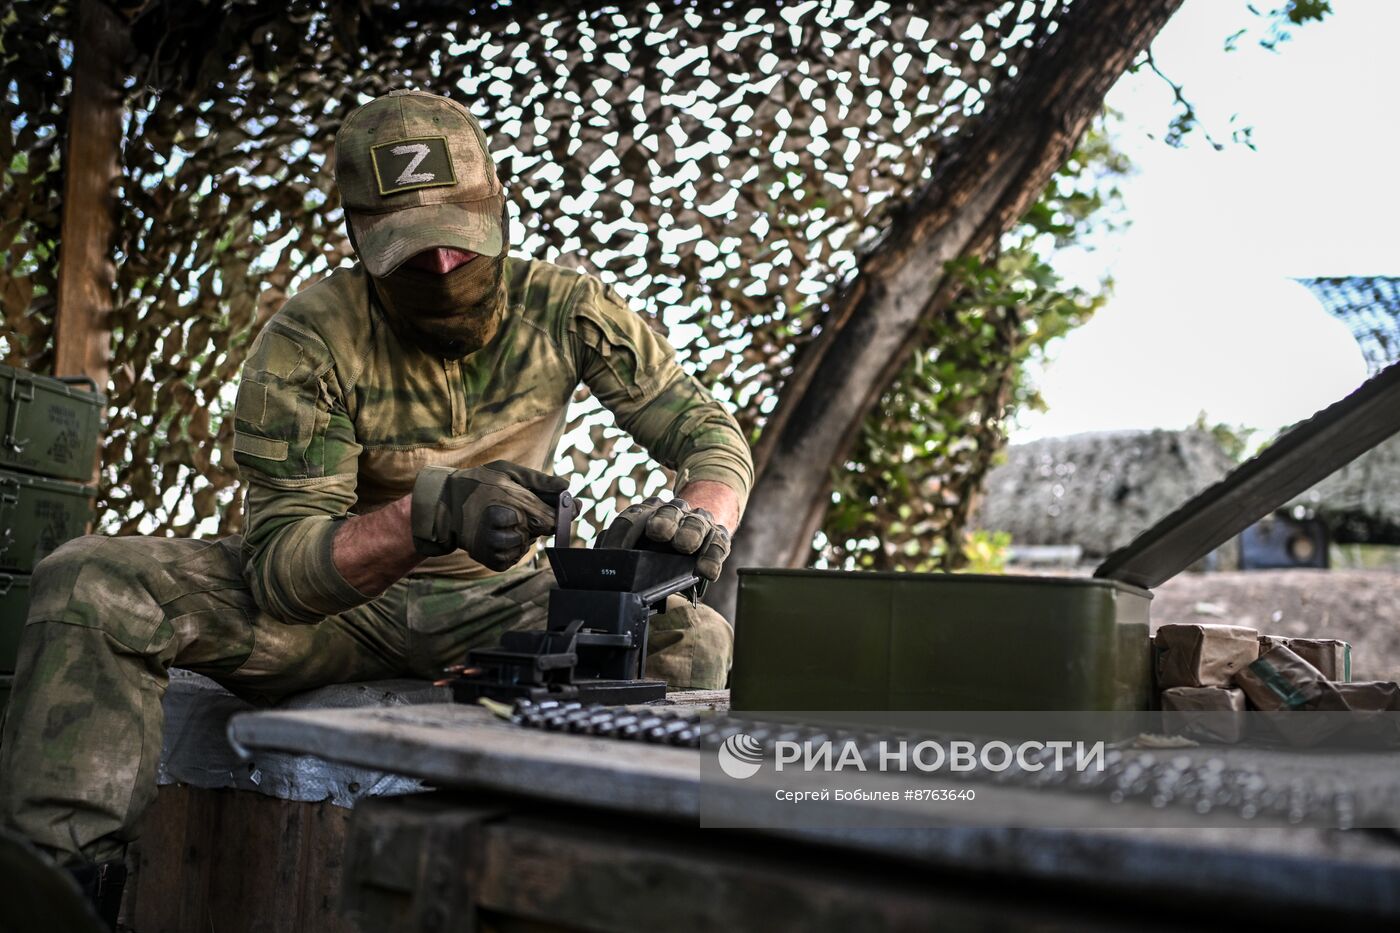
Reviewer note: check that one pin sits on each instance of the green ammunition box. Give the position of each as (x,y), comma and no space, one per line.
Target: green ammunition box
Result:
(38,514)
(50,427)
(938,641)
(810,640)
(14,608)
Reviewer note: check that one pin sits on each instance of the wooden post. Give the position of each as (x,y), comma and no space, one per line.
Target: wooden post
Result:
(86,273)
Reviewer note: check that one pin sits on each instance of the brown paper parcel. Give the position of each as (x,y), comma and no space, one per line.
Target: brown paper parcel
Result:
(1329,655)
(1297,702)
(1281,680)
(1371,695)
(1375,713)
(1211,714)
(1198,654)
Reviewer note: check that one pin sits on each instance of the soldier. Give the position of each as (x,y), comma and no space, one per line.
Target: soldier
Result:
(393,424)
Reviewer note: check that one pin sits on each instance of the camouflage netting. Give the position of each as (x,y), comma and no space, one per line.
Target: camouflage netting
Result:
(1361,502)
(1369,305)
(1099,490)
(34,51)
(720,162)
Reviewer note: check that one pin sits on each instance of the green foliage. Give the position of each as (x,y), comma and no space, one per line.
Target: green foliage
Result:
(986,551)
(1234,439)
(1276,27)
(904,498)
(1280,22)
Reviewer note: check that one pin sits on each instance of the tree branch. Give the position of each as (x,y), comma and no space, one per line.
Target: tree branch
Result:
(1001,162)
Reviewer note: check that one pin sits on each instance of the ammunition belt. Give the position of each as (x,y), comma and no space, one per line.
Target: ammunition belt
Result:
(1156,778)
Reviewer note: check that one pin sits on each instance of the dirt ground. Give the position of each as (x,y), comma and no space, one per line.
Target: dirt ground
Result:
(1359,606)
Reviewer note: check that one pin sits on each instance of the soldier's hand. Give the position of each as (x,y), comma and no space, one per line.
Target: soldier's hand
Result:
(493,512)
(673,524)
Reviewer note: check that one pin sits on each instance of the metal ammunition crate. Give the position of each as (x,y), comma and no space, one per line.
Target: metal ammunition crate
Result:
(38,514)
(14,608)
(809,640)
(939,641)
(50,427)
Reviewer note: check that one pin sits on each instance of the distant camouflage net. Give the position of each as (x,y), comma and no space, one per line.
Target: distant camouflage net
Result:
(720,163)
(1369,305)
(1099,490)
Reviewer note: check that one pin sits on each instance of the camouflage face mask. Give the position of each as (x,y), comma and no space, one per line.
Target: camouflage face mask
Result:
(450,315)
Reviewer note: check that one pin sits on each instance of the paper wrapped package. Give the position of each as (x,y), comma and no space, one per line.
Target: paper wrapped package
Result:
(1375,714)
(1371,695)
(1281,680)
(1298,704)
(1269,641)
(1329,655)
(1197,654)
(1210,714)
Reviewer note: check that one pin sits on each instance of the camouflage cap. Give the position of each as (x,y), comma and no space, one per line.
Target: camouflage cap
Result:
(415,173)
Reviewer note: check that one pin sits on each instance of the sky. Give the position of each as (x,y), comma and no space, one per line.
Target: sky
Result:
(1204,315)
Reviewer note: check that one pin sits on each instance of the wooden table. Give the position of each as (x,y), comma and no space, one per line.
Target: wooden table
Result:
(531,827)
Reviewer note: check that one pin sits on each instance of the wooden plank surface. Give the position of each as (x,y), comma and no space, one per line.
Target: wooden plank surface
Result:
(576,871)
(237,862)
(454,745)
(717,700)
(465,747)
(458,863)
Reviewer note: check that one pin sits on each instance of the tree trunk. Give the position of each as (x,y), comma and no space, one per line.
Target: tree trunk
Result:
(985,181)
(92,172)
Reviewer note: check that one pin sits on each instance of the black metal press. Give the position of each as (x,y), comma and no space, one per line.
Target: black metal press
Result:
(594,644)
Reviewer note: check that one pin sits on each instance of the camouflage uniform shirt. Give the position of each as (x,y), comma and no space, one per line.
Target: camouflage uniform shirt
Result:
(336,415)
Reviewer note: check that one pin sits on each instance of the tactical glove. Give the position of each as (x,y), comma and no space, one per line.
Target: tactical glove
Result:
(672,524)
(493,512)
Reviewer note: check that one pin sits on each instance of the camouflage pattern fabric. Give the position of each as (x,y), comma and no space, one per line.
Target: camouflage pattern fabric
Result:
(414,171)
(82,735)
(336,415)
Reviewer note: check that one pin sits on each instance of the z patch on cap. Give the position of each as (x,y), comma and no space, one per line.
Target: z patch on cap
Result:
(417,162)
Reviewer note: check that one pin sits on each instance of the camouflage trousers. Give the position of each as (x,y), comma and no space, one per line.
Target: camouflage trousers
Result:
(108,616)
